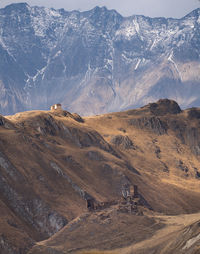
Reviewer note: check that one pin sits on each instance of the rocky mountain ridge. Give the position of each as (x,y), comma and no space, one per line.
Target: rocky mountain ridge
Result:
(95,61)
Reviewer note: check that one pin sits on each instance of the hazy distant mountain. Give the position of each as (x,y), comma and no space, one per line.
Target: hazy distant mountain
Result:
(95,61)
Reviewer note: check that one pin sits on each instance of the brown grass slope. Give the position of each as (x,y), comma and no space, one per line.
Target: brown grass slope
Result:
(52,161)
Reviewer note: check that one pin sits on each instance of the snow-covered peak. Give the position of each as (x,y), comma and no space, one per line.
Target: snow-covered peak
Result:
(16,7)
(69,50)
(194,13)
(52,12)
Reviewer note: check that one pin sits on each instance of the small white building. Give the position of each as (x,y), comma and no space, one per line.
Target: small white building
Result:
(56,106)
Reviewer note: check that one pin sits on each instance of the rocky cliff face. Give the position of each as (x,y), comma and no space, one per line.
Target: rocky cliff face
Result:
(95,61)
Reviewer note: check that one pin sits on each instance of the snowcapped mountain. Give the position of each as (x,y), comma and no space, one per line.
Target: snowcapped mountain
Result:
(96,61)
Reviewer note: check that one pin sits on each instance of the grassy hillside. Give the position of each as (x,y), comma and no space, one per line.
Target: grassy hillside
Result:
(51,162)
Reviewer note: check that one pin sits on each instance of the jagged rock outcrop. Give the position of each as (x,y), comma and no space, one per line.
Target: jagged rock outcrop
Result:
(187,133)
(31,209)
(6,246)
(152,123)
(194,113)
(163,107)
(165,116)
(90,138)
(123,141)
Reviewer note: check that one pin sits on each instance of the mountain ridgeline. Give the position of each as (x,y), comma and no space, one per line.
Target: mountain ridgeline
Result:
(95,61)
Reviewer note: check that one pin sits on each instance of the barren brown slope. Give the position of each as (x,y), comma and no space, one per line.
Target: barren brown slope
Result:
(51,162)
(155,234)
(181,234)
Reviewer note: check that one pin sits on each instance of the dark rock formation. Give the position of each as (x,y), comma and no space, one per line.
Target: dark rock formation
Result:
(136,193)
(186,131)
(90,204)
(32,209)
(197,174)
(194,113)
(96,156)
(178,127)
(19,196)
(163,107)
(46,125)
(122,130)
(143,202)
(157,152)
(90,138)
(182,166)
(192,138)
(6,123)
(154,124)
(165,167)
(6,246)
(123,141)
(131,168)
(2,120)
(77,118)
(72,163)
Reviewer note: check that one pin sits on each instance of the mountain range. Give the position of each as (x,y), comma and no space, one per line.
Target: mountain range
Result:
(95,61)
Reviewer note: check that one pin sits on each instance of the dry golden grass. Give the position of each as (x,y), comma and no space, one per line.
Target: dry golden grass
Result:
(97,252)
(37,138)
